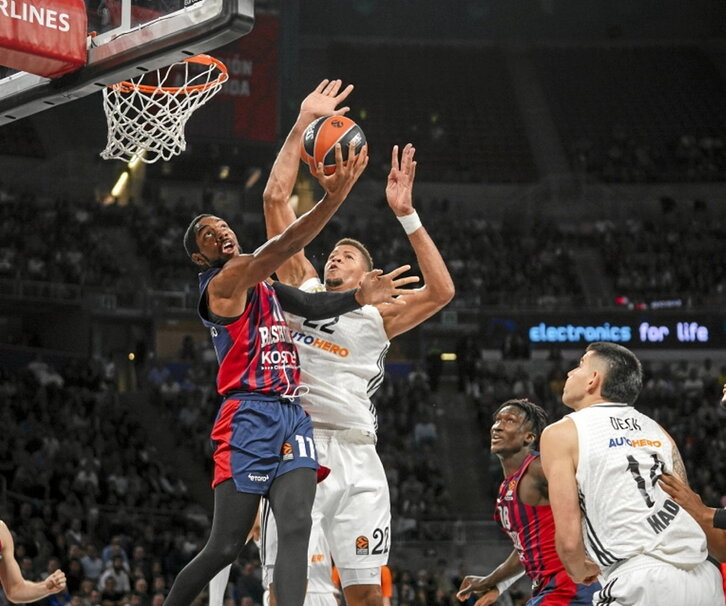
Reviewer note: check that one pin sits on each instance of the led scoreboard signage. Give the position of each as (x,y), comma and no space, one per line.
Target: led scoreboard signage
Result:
(676,330)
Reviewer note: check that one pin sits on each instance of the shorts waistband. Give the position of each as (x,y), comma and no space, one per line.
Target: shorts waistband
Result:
(259,397)
(642,561)
(349,436)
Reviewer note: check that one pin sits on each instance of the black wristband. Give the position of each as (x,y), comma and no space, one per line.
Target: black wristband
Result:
(719,519)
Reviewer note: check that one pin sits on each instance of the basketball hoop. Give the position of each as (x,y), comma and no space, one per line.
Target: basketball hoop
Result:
(146,117)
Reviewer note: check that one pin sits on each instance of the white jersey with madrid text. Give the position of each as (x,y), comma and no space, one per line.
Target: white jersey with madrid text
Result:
(342,364)
(622,452)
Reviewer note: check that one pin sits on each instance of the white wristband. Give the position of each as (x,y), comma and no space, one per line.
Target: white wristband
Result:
(410,222)
(502,586)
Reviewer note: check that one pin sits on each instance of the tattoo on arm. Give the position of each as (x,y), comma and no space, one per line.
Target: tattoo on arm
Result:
(679,469)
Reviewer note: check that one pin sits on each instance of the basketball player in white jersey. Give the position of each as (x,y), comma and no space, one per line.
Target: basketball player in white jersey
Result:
(612,518)
(342,359)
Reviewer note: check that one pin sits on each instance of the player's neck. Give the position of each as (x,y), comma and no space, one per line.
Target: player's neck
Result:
(511,462)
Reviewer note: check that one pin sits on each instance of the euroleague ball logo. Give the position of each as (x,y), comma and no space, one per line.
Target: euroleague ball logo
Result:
(361,545)
(337,123)
(287,454)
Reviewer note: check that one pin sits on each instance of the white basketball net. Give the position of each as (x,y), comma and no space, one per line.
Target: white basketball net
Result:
(146,116)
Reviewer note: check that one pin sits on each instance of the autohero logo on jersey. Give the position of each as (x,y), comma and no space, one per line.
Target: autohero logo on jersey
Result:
(630,424)
(362,545)
(47,17)
(306,339)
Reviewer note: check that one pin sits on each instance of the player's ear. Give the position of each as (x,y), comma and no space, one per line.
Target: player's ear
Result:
(199,259)
(595,382)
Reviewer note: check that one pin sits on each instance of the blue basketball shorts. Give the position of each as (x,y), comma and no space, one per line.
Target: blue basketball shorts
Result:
(561,591)
(258,438)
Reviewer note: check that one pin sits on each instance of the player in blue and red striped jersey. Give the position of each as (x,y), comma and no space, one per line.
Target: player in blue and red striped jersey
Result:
(523,512)
(264,443)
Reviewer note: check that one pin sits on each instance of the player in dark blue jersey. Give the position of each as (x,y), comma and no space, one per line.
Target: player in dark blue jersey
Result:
(264,438)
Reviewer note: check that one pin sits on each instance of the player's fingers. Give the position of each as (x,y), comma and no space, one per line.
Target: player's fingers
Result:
(394,273)
(394,158)
(332,88)
(321,87)
(342,111)
(405,281)
(375,273)
(338,156)
(346,91)
(361,161)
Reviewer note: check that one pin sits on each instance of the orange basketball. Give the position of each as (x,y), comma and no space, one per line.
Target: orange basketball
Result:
(319,139)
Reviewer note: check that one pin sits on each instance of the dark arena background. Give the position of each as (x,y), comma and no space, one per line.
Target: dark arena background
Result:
(571,168)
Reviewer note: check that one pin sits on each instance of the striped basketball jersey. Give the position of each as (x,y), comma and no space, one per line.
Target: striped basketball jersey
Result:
(622,453)
(531,528)
(342,364)
(255,352)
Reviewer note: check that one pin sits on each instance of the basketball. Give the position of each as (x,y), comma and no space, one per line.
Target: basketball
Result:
(319,139)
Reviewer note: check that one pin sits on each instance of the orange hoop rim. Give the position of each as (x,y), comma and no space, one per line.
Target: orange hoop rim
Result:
(126,86)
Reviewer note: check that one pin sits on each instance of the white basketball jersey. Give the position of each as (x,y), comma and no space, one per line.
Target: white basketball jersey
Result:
(625,512)
(342,364)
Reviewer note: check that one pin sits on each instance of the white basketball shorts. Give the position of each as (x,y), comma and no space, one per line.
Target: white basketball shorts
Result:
(647,581)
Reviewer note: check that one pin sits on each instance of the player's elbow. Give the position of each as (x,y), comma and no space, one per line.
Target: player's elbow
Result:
(444,294)
(568,546)
(274,193)
(15,595)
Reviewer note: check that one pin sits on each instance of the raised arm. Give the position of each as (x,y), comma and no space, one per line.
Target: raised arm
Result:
(438,288)
(278,213)
(558,448)
(16,588)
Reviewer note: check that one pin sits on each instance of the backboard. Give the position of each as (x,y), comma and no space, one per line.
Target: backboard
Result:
(131,37)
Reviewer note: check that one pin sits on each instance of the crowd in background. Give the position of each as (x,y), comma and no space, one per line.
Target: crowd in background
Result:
(129,249)
(85,488)
(628,158)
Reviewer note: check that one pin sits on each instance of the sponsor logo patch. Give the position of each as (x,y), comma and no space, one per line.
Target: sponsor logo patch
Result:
(257,478)
(361,545)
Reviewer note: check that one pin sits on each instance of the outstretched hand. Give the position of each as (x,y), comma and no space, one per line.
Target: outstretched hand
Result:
(346,173)
(324,100)
(55,582)
(376,288)
(473,584)
(399,186)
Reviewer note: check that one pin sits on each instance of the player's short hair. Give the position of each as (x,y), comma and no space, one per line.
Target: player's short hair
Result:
(190,235)
(534,415)
(624,375)
(359,245)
